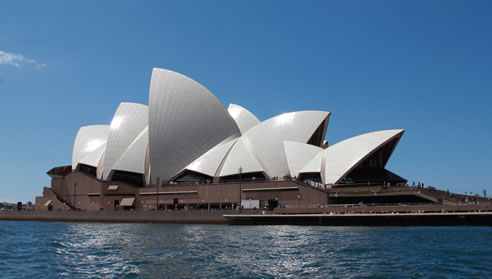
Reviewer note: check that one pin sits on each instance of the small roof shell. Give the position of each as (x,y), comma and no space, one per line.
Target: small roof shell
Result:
(89,145)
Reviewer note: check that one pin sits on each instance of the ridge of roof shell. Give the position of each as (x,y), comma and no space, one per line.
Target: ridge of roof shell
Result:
(185,121)
(240,156)
(209,162)
(314,165)
(243,117)
(299,155)
(133,159)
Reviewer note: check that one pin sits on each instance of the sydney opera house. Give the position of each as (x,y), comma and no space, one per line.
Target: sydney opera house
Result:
(187,150)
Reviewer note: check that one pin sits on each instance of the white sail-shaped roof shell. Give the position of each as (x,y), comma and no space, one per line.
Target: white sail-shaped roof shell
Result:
(128,123)
(315,165)
(89,145)
(94,158)
(185,121)
(240,156)
(133,159)
(243,117)
(186,128)
(267,137)
(344,156)
(299,155)
(210,162)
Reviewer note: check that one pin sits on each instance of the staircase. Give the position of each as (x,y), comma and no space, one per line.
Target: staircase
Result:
(60,199)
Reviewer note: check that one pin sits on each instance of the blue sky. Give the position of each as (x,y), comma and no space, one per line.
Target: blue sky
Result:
(424,66)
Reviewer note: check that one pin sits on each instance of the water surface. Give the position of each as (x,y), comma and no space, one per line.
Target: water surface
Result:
(83,250)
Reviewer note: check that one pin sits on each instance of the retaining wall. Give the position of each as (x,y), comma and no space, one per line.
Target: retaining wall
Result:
(170,216)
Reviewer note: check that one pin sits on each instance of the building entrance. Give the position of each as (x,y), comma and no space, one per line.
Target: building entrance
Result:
(272,204)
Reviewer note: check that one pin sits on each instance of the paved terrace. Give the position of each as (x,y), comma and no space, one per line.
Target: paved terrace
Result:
(387,208)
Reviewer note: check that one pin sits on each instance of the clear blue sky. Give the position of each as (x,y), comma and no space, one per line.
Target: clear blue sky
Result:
(424,66)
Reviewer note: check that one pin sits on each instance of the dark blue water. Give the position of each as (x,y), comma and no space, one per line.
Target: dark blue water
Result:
(83,250)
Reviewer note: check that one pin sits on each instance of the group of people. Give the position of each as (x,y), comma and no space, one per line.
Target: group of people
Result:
(420,185)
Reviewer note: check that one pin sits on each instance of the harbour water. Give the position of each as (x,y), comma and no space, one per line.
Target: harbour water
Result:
(87,250)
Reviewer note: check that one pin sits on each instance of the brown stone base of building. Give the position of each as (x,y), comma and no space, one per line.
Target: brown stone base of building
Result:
(170,216)
(81,191)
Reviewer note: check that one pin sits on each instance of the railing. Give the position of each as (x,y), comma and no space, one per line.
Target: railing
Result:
(232,181)
(250,181)
(354,205)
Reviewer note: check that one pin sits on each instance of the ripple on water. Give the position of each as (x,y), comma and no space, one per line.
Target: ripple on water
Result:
(47,250)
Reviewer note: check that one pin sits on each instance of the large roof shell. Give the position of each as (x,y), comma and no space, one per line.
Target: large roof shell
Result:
(267,137)
(343,157)
(89,145)
(243,117)
(185,121)
(129,121)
